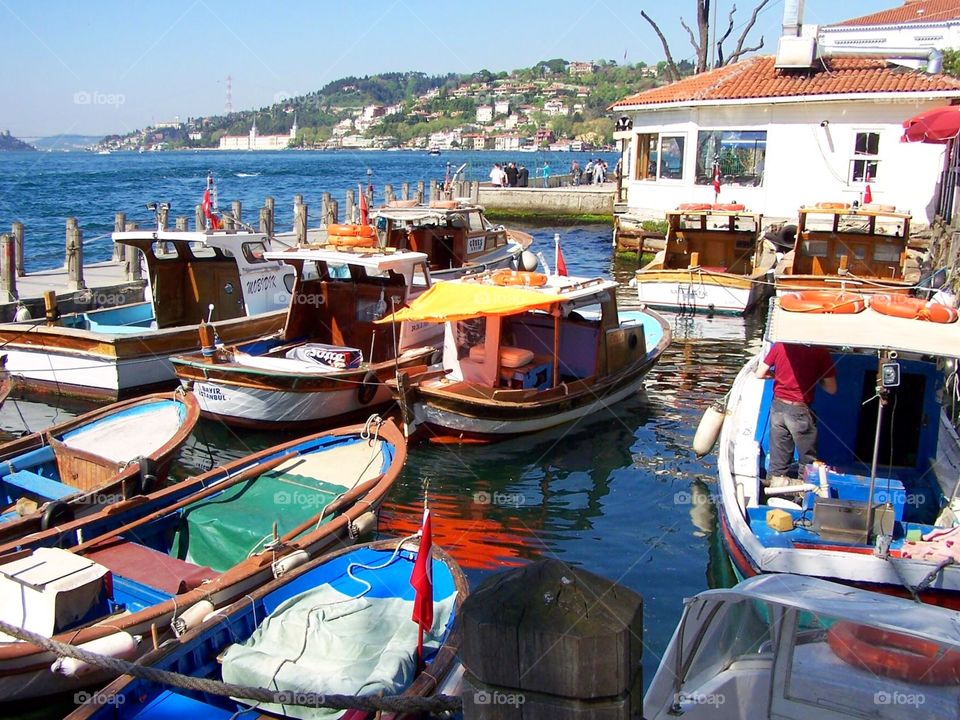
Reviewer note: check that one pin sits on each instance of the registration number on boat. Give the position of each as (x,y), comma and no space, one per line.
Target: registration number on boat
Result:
(476,244)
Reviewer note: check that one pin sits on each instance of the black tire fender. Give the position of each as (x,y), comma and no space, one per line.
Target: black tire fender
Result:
(368,388)
(56,513)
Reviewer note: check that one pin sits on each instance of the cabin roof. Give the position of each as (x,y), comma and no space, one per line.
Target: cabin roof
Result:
(213,239)
(855,212)
(846,603)
(376,260)
(867,330)
(423,213)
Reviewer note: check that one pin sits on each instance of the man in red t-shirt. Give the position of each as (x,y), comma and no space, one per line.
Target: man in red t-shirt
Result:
(797,369)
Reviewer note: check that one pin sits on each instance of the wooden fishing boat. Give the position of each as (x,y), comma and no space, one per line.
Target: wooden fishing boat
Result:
(216,276)
(524,352)
(331,358)
(714,261)
(107,455)
(344,655)
(456,236)
(797,647)
(837,247)
(150,568)
(882,511)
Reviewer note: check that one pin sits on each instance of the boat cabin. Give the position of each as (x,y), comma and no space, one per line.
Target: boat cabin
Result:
(190,271)
(338,296)
(723,241)
(787,646)
(838,246)
(452,234)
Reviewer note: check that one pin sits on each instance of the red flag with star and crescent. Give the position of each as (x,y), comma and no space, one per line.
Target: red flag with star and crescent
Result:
(422,579)
(208,211)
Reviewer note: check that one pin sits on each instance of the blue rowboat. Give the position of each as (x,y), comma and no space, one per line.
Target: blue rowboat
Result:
(75,468)
(339,624)
(127,576)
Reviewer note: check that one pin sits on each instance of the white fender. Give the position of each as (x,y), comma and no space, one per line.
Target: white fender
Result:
(191,617)
(709,429)
(288,562)
(118,645)
(364,525)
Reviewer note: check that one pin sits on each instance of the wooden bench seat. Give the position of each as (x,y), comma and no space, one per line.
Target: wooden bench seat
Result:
(149,567)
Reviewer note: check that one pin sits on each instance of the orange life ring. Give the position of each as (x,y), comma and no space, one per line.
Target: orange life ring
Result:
(518,277)
(893,655)
(694,206)
(351,241)
(903,306)
(823,301)
(832,206)
(445,204)
(364,231)
(729,207)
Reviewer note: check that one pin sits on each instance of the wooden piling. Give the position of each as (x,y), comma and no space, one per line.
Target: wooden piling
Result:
(131,255)
(50,306)
(349,207)
(265,222)
(419,195)
(325,210)
(74,256)
(17,229)
(405,191)
(300,222)
(475,192)
(270,204)
(387,194)
(433,197)
(181,223)
(8,267)
(236,209)
(163,217)
(199,219)
(334,212)
(119,225)
(538,640)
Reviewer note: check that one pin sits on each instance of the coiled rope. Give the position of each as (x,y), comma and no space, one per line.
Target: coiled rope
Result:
(367,703)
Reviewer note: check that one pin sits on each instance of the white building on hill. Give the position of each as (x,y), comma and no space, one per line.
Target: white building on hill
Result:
(255,141)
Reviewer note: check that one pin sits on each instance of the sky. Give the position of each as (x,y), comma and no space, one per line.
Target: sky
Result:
(101,67)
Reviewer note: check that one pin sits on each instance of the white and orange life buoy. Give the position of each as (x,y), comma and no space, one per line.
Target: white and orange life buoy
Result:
(728,207)
(833,302)
(352,235)
(518,277)
(911,308)
(832,206)
(894,655)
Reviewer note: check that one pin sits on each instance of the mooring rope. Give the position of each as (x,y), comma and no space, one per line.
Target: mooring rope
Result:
(367,703)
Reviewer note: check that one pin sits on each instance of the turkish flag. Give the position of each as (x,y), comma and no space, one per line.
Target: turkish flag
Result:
(716,178)
(560,262)
(364,210)
(422,578)
(208,211)
(867,194)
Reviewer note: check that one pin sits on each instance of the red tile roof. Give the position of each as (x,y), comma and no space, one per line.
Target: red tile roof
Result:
(757,78)
(911,11)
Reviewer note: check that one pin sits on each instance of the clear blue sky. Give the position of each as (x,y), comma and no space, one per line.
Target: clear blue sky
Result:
(111,67)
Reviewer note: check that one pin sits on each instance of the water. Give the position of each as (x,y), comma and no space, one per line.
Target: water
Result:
(620,494)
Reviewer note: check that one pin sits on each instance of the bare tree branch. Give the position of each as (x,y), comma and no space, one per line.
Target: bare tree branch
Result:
(740,50)
(744,51)
(673,72)
(720,42)
(693,40)
(703,26)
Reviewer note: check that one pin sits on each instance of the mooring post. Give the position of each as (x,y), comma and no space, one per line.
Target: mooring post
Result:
(265,221)
(300,223)
(199,219)
(419,194)
(236,208)
(17,229)
(131,256)
(387,194)
(74,259)
(8,267)
(119,225)
(537,643)
(349,207)
(50,306)
(227,221)
(334,216)
(433,192)
(475,192)
(270,205)
(325,209)
(181,223)
(405,191)
(163,216)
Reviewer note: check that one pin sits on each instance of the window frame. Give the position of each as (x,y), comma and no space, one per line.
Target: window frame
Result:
(649,148)
(867,158)
(725,181)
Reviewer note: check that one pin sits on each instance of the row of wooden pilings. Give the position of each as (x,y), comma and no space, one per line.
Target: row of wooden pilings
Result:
(11,244)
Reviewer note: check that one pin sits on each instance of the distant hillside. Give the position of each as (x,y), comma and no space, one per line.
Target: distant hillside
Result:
(8,142)
(67,142)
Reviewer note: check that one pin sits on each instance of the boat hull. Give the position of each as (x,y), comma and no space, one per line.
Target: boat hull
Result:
(683,291)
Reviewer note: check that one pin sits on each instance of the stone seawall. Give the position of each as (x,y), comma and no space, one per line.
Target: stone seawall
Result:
(571,200)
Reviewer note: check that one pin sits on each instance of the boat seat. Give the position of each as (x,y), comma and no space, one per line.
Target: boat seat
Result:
(149,567)
(510,357)
(38,485)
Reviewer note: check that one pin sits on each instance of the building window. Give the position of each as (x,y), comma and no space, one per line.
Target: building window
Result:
(741,154)
(659,157)
(865,163)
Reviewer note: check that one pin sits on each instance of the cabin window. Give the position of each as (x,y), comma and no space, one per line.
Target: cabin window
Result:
(815,248)
(165,251)
(253,251)
(469,333)
(741,154)
(865,163)
(886,252)
(671,157)
(660,157)
(647,150)
(199,250)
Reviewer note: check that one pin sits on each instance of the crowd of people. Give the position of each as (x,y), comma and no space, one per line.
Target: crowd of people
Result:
(513,175)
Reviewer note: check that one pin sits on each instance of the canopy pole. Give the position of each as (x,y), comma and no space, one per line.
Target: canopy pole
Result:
(557,316)
(882,394)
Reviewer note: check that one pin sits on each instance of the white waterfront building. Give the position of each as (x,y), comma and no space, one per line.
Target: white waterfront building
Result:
(255,141)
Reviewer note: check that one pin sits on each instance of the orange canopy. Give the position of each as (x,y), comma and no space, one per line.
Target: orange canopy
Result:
(448,301)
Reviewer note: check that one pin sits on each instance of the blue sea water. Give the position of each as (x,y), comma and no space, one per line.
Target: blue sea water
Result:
(620,494)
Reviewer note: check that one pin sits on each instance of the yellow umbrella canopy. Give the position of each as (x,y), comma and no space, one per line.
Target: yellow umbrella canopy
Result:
(448,301)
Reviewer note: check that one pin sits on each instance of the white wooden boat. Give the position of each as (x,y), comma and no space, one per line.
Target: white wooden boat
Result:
(902,452)
(714,261)
(218,276)
(526,357)
(331,358)
(790,647)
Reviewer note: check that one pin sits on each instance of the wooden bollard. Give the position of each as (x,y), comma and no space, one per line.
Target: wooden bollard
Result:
(269,203)
(236,209)
(119,225)
(199,219)
(547,640)
(163,217)
(265,222)
(181,223)
(325,209)
(74,256)
(50,311)
(387,194)
(300,223)
(433,197)
(17,229)
(419,195)
(349,207)
(475,192)
(227,221)
(405,191)
(131,256)
(8,267)
(333,208)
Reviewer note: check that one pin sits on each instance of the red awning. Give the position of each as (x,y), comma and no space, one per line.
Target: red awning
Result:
(937,125)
